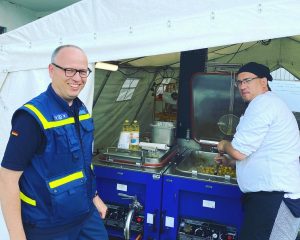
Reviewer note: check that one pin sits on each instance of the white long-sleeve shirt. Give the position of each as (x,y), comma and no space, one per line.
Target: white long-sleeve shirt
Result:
(268,135)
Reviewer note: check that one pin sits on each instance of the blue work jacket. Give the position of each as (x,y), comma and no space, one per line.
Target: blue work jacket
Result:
(58,186)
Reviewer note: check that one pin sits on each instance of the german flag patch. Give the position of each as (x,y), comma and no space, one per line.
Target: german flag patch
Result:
(14,133)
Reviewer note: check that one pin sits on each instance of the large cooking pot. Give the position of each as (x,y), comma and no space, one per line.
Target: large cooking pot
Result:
(163,132)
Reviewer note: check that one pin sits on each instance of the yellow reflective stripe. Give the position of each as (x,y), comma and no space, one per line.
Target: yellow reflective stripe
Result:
(38,114)
(67,179)
(26,199)
(46,124)
(84,117)
(92,166)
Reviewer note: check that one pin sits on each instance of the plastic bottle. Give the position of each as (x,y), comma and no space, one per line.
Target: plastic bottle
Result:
(126,126)
(125,136)
(135,136)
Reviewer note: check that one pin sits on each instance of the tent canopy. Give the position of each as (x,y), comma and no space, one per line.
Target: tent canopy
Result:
(113,30)
(275,53)
(126,32)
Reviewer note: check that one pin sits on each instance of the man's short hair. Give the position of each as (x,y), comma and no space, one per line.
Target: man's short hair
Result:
(56,51)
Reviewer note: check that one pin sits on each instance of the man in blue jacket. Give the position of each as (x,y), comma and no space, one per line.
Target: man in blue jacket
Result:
(50,187)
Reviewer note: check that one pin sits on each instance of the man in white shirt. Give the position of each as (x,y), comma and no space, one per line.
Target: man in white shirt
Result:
(265,150)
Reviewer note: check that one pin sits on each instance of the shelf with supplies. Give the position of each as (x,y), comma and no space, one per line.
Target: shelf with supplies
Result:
(165,102)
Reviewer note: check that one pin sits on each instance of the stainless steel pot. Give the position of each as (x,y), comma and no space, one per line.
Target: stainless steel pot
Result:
(163,132)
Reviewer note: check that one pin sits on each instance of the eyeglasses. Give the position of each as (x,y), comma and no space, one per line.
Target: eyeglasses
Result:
(70,72)
(246,81)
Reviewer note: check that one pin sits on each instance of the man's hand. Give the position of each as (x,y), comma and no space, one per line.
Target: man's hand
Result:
(221,146)
(11,203)
(222,159)
(100,205)
(225,146)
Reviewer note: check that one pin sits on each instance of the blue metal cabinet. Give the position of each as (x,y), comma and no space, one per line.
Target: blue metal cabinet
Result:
(200,200)
(145,185)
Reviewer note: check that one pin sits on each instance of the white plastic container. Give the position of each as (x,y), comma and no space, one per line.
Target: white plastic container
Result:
(124,140)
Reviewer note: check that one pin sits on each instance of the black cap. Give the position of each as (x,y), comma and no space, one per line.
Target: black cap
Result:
(257,69)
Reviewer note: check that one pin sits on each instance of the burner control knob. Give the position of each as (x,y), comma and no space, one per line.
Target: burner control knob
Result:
(113,215)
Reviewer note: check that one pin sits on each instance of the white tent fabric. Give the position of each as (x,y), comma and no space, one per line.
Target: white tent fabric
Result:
(110,30)
(17,89)
(2,78)
(116,29)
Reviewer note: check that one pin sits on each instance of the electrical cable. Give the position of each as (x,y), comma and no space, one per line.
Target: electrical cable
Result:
(222,54)
(222,48)
(245,49)
(235,53)
(129,74)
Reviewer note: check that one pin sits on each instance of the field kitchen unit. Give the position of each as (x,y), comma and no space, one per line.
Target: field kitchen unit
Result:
(178,192)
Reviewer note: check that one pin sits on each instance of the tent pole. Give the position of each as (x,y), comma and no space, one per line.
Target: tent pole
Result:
(146,94)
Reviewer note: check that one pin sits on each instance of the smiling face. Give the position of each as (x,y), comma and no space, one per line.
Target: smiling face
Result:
(68,88)
(249,90)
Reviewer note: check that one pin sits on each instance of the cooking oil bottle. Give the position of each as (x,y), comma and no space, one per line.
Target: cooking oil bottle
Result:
(135,136)
(126,126)
(125,136)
